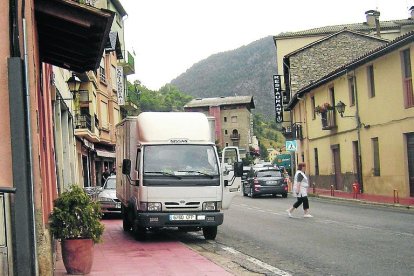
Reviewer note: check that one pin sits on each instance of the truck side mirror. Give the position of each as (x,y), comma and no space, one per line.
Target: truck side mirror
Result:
(126,166)
(238,169)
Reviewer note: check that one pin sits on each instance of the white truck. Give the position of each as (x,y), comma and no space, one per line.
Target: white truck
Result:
(172,175)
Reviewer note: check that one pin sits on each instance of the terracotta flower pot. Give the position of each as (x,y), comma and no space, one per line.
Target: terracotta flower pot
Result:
(77,255)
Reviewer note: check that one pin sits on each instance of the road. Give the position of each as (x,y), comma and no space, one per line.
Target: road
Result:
(258,238)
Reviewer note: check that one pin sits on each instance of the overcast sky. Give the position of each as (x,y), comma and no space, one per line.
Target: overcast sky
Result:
(169,36)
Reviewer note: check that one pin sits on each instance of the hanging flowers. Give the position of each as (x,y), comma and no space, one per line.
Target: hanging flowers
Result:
(323,108)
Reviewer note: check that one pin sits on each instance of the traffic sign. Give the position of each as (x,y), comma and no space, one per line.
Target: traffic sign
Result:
(291,145)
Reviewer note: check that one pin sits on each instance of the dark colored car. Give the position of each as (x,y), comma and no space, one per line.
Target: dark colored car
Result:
(265,181)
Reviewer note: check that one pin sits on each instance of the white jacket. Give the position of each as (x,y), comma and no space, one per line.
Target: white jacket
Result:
(302,185)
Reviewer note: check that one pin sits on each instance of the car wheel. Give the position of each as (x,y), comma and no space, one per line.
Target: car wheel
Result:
(210,232)
(284,195)
(244,191)
(251,193)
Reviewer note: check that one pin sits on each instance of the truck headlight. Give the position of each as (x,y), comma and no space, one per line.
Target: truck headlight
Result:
(150,206)
(210,206)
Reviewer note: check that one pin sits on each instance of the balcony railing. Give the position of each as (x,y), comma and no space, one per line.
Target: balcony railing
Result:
(328,119)
(83,121)
(128,63)
(235,136)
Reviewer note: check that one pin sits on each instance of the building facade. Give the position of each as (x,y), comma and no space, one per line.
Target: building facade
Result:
(289,42)
(362,143)
(232,119)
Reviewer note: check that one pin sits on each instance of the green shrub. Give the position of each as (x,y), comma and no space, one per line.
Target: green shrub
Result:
(75,215)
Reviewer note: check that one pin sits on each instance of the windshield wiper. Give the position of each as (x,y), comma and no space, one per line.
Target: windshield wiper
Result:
(164,173)
(199,172)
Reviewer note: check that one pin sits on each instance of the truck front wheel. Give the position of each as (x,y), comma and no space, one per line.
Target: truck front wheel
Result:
(139,232)
(210,232)
(126,223)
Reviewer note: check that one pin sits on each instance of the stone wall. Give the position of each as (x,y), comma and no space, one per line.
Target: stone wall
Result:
(315,62)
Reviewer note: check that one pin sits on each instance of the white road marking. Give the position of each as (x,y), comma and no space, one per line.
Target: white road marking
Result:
(257,262)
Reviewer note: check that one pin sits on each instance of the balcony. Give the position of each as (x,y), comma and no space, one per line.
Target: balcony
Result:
(328,119)
(85,127)
(128,63)
(235,136)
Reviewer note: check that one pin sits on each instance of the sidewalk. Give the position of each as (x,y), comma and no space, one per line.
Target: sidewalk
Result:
(119,254)
(395,201)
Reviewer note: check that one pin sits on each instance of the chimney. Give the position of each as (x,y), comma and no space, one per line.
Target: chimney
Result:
(412,12)
(373,20)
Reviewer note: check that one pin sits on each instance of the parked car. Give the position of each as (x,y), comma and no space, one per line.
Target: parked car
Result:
(107,197)
(265,180)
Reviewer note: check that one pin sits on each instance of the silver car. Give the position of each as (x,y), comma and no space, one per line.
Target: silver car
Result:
(110,204)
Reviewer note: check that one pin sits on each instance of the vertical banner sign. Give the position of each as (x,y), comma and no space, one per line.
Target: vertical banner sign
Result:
(120,85)
(278,98)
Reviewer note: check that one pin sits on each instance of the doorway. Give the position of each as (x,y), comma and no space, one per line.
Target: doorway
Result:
(410,156)
(337,167)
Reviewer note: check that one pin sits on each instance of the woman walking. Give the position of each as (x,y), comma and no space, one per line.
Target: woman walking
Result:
(300,190)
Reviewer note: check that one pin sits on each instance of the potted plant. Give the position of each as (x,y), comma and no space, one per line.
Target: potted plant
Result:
(75,220)
(323,108)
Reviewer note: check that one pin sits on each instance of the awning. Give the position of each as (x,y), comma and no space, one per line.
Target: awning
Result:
(72,35)
(104,153)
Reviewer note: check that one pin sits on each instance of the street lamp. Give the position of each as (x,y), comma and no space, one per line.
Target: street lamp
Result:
(340,107)
(74,84)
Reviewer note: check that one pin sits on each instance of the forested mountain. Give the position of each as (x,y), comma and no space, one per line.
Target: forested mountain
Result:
(247,70)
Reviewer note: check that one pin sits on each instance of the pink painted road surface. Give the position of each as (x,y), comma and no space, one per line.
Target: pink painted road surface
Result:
(119,254)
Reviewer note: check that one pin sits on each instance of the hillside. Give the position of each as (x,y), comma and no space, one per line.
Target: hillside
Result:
(247,70)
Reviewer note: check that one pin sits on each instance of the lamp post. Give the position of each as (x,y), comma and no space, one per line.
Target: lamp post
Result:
(340,107)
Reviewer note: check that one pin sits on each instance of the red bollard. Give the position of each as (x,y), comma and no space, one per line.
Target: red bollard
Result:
(332,191)
(355,189)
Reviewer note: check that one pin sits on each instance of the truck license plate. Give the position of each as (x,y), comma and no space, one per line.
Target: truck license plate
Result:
(182,217)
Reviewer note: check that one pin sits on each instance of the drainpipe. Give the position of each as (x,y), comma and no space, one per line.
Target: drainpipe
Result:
(358,121)
(23,219)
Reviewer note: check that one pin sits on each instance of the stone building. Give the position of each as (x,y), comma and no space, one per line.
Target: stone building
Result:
(233,119)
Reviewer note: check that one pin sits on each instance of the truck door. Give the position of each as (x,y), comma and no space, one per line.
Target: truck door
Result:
(232,184)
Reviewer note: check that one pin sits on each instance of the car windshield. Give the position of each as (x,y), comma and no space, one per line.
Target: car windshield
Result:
(180,159)
(110,183)
(272,173)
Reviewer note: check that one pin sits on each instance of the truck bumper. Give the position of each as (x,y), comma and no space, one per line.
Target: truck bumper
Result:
(159,220)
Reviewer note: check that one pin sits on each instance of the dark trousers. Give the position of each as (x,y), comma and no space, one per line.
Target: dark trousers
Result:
(300,200)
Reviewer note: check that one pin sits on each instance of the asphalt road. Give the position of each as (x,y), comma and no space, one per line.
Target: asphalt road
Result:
(258,238)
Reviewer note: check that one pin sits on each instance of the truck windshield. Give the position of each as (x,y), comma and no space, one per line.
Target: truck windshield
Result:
(181,159)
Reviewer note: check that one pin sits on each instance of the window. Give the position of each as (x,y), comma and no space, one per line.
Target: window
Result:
(104,115)
(234,119)
(375,150)
(315,150)
(113,77)
(371,83)
(351,85)
(102,73)
(225,119)
(225,131)
(313,107)
(407,79)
